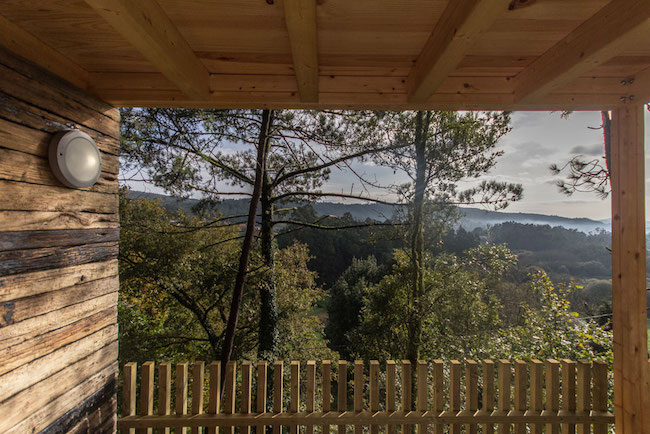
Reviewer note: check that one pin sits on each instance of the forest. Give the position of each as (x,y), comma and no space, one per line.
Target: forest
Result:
(281,281)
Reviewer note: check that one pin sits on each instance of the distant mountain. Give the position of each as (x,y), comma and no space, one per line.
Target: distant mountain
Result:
(473,218)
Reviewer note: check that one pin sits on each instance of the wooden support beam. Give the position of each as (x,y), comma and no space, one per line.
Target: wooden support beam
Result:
(300,17)
(631,401)
(462,22)
(595,41)
(38,52)
(146,26)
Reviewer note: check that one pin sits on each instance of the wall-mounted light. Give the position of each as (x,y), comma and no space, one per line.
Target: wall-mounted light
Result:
(75,159)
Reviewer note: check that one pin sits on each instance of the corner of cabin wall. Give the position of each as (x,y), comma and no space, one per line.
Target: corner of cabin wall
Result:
(58,261)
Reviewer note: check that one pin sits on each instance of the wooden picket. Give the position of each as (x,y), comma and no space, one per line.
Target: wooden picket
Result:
(548,396)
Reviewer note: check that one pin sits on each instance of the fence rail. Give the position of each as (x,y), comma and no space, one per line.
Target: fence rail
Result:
(503,395)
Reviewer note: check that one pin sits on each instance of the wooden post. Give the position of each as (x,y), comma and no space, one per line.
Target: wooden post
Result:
(471,393)
(278,377)
(164,391)
(358,392)
(342,392)
(260,400)
(310,387)
(631,401)
(407,392)
(521,377)
(583,403)
(505,382)
(146,391)
(246,392)
(129,378)
(214,398)
(488,394)
(568,393)
(423,393)
(536,392)
(327,391)
(181,393)
(454,393)
(374,392)
(600,393)
(294,403)
(198,373)
(390,393)
(552,393)
(229,393)
(438,393)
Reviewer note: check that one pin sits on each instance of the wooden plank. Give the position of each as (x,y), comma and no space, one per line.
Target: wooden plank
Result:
(471,393)
(583,402)
(600,393)
(631,402)
(536,392)
(20,351)
(278,378)
(326,379)
(214,398)
(246,392)
(38,220)
(568,393)
(310,395)
(31,373)
(164,391)
(422,393)
(23,167)
(146,391)
(146,26)
(488,393)
(552,393)
(229,392)
(390,392)
(180,384)
(460,25)
(19,196)
(71,397)
(342,391)
(261,393)
(59,318)
(438,393)
(23,240)
(129,374)
(300,18)
(198,377)
(598,39)
(14,311)
(38,282)
(294,403)
(407,392)
(505,382)
(373,382)
(36,51)
(23,261)
(454,392)
(358,392)
(520,401)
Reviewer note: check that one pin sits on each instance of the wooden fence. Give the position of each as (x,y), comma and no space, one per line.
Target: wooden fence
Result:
(468,397)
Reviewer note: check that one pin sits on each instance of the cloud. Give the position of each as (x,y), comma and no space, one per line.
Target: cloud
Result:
(595,150)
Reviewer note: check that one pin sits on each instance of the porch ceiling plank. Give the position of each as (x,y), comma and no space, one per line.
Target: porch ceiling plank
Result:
(300,17)
(595,41)
(146,26)
(462,22)
(36,51)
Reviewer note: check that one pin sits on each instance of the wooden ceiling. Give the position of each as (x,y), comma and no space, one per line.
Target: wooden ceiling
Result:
(378,54)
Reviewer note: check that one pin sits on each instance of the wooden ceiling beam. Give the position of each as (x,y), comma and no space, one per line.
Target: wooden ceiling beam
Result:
(461,23)
(145,25)
(594,42)
(300,18)
(38,52)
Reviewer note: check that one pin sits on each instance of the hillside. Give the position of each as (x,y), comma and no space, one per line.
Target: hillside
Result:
(473,218)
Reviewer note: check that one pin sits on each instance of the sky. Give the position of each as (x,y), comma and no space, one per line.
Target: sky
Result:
(537,140)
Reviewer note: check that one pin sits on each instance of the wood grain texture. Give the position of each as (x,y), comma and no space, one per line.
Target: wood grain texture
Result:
(300,18)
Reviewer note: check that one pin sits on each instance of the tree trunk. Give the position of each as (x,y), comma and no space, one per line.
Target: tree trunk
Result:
(268,325)
(240,281)
(417,241)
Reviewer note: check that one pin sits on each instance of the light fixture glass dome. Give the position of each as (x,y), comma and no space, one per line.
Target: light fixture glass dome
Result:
(75,159)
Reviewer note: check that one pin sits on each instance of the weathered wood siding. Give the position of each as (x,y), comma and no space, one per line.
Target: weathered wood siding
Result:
(58,261)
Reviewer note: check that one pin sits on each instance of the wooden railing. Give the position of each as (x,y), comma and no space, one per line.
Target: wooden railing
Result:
(551,394)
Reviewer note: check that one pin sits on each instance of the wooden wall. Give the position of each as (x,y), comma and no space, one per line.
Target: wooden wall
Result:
(58,261)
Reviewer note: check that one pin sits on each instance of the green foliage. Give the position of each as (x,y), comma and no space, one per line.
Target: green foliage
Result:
(176,279)
(553,330)
(458,311)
